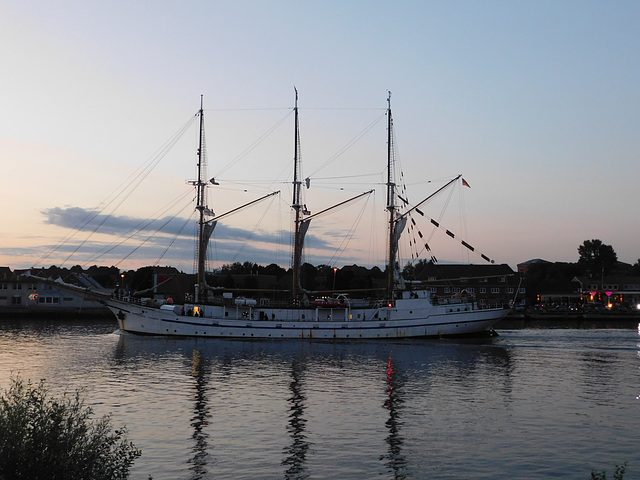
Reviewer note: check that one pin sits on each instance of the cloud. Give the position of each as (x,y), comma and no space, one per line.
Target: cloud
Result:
(168,238)
(86,220)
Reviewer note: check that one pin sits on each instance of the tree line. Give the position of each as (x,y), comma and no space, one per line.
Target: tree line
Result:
(595,260)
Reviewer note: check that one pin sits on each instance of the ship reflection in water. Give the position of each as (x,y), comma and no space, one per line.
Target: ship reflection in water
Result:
(200,419)
(325,407)
(296,453)
(395,461)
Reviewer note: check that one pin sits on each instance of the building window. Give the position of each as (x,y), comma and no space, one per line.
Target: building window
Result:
(49,300)
(495,289)
(471,290)
(522,290)
(510,290)
(447,290)
(483,289)
(503,279)
(16,301)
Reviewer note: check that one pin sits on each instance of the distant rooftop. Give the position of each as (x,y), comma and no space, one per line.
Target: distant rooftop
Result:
(534,260)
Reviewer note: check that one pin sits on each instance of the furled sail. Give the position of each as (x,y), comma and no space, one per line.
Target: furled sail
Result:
(397,233)
(304,226)
(208,230)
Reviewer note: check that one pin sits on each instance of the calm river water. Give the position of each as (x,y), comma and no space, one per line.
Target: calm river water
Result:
(533,404)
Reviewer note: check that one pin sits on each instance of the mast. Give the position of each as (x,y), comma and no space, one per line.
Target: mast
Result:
(391,207)
(201,206)
(296,205)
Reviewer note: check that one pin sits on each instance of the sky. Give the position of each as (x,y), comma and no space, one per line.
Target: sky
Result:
(536,104)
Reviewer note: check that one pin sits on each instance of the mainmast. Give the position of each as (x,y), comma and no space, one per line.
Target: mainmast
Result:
(296,205)
(201,207)
(391,207)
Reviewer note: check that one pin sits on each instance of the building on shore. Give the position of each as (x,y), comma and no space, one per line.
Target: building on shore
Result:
(612,291)
(21,293)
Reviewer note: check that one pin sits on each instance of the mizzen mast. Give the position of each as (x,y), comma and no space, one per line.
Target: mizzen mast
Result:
(391,206)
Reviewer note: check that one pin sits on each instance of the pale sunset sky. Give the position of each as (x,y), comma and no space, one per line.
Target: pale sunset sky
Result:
(536,104)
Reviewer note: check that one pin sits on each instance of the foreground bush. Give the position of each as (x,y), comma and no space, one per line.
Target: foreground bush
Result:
(47,438)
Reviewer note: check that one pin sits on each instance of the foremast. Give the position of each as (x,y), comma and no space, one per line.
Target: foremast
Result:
(297,207)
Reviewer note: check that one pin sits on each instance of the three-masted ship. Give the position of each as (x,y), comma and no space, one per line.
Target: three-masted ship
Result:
(401,312)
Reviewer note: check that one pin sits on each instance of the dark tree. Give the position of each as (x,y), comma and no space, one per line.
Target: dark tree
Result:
(272,269)
(377,273)
(108,277)
(409,271)
(141,279)
(235,268)
(596,258)
(308,275)
(417,270)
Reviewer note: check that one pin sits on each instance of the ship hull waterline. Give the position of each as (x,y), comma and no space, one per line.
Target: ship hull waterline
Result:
(389,323)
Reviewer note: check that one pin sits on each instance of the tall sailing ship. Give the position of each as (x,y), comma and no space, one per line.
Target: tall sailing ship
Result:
(402,311)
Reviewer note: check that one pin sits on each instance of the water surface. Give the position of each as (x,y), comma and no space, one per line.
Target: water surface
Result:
(529,404)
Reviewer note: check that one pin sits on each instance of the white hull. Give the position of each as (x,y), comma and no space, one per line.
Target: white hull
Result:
(409,318)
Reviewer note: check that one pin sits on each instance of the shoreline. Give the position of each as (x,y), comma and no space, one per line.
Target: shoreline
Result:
(40,313)
(517,321)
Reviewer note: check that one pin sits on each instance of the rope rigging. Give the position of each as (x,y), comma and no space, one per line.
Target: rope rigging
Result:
(118,196)
(421,245)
